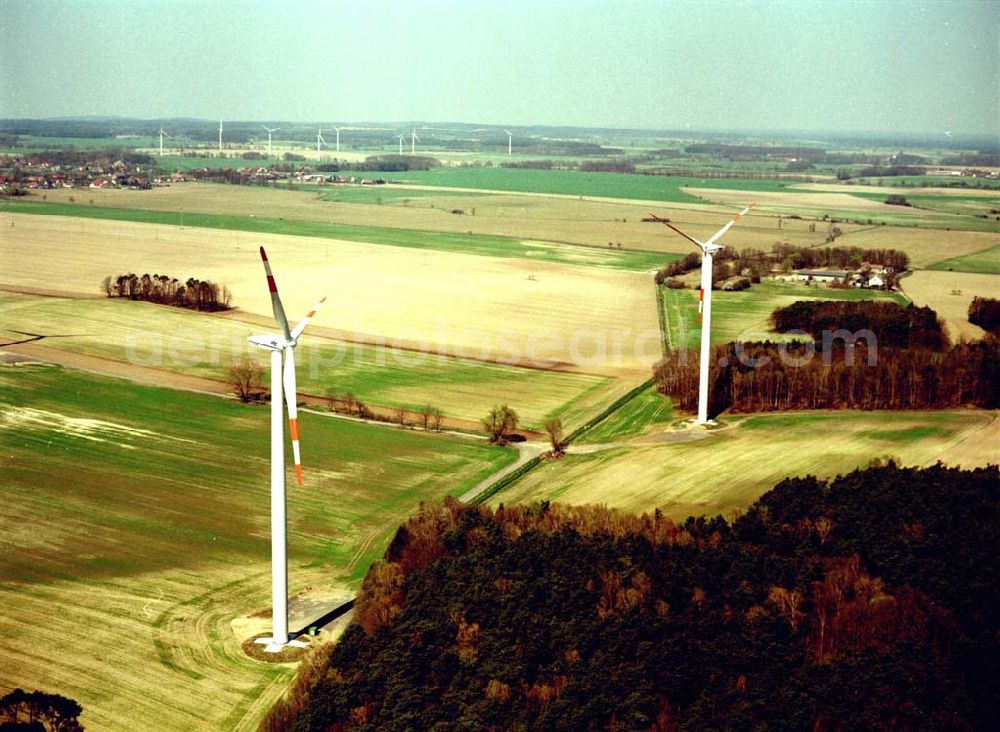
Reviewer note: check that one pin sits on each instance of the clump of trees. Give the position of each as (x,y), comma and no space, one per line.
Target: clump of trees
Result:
(985,312)
(866,602)
(499,423)
(36,711)
(247,379)
(756,263)
(892,324)
(909,364)
(896,200)
(194,294)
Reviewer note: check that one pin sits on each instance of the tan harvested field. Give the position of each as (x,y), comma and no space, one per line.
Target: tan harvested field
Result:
(592,319)
(733,466)
(781,201)
(546,217)
(950,294)
(925,246)
(900,190)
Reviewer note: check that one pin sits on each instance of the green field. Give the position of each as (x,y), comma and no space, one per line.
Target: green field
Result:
(481,245)
(731,467)
(574,183)
(986,261)
(137,525)
(646,410)
(745,315)
(202,345)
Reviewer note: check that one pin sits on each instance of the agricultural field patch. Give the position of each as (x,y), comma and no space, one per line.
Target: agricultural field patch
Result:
(647,410)
(985,261)
(731,467)
(491,246)
(949,294)
(567,182)
(589,319)
(924,246)
(745,315)
(203,345)
(140,532)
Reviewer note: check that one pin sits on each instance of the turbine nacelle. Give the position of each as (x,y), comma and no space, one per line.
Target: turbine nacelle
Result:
(272,342)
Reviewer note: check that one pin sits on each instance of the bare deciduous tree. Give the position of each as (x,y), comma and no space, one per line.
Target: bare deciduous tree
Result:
(435,419)
(501,420)
(246,376)
(554,429)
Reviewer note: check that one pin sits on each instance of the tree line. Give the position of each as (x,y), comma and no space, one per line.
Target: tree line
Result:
(985,312)
(764,376)
(193,293)
(866,602)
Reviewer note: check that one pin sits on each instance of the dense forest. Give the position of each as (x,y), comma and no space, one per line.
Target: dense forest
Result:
(985,312)
(892,324)
(194,294)
(867,602)
(909,364)
(763,376)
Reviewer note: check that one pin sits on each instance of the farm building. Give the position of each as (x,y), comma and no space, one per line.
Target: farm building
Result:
(821,275)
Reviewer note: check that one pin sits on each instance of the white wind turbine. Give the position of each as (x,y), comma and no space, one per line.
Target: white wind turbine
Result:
(319,139)
(162,134)
(282,349)
(510,142)
(708,250)
(269,131)
(413,141)
(220,135)
(337,130)
(401,144)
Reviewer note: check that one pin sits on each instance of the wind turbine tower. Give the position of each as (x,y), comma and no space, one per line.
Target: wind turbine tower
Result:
(510,142)
(220,135)
(162,133)
(319,139)
(337,130)
(282,349)
(269,131)
(413,141)
(708,250)
(401,145)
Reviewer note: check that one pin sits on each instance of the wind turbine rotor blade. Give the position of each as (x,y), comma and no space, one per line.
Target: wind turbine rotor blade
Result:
(671,226)
(288,381)
(305,321)
(279,311)
(728,226)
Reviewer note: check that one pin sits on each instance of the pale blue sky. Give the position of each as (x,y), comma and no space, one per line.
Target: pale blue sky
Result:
(890,66)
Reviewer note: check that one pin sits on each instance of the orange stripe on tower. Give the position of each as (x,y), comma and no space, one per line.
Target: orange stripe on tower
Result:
(298,473)
(293,425)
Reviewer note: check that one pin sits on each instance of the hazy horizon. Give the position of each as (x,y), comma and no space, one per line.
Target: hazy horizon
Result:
(903,67)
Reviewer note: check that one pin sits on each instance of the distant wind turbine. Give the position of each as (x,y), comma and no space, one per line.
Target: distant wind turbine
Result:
(220,135)
(269,131)
(319,139)
(708,249)
(413,141)
(401,144)
(337,130)
(510,142)
(282,348)
(162,134)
